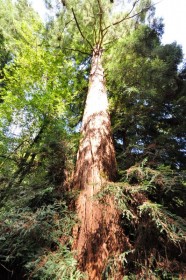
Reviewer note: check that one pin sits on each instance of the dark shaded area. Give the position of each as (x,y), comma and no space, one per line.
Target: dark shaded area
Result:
(8,274)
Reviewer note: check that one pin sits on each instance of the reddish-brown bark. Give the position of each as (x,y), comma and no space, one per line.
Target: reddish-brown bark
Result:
(98,235)
(96,157)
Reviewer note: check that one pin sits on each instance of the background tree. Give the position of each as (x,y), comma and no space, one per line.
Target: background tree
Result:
(145,108)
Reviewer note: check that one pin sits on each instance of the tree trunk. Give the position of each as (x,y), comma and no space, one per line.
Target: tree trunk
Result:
(96,156)
(98,234)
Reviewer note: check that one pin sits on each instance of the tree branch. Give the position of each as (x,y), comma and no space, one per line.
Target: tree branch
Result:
(117,22)
(76,50)
(100,39)
(6,268)
(112,41)
(78,26)
(127,15)
(9,158)
(132,16)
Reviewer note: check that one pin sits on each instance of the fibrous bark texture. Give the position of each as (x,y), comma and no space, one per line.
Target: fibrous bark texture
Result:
(98,234)
(96,157)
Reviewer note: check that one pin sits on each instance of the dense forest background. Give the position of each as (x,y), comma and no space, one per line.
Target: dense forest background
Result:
(44,80)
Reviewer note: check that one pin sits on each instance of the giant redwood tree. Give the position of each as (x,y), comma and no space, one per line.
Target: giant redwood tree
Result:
(96,165)
(98,25)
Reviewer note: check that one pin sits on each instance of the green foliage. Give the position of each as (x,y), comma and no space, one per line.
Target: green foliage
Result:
(152,206)
(35,219)
(173,226)
(145,91)
(58,265)
(38,241)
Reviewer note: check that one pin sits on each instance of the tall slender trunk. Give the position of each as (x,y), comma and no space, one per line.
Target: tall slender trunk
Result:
(96,157)
(95,166)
